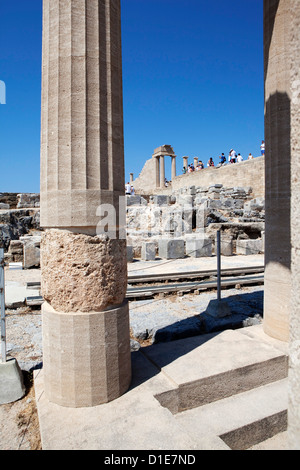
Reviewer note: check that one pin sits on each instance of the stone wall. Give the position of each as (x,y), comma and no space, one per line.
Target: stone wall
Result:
(248,173)
(146,181)
(191,217)
(20,228)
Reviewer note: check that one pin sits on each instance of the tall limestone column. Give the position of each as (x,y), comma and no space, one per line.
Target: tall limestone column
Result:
(173,157)
(86,345)
(157,168)
(277,293)
(294,359)
(162,171)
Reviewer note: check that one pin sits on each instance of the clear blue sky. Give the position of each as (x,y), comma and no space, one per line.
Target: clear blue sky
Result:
(192,78)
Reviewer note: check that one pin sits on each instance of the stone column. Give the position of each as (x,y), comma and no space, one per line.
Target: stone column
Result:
(195,161)
(173,167)
(131,178)
(86,344)
(185,162)
(277,293)
(157,179)
(162,171)
(294,359)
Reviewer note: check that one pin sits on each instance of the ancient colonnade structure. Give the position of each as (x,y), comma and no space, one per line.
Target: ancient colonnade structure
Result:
(86,344)
(159,156)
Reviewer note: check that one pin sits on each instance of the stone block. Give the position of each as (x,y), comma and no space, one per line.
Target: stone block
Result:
(201,216)
(160,200)
(172,221)
(31,251)
(185,200)
(129,253)
(4,206)
(28,200)
(135,200)
(257,204)
(226,246)
(249,247)
(91,351)
(148,251)
(218,308)
(198,247)
(11,382)
(16,247)
(93,268)
(171,248)
(192,190)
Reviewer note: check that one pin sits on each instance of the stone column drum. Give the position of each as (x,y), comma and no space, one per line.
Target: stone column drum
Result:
(86,343)
(277,169)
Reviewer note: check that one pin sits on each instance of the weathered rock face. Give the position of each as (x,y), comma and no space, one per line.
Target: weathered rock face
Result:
(10,199)
(28,200)
(15,223)
(192,211)
(81,272)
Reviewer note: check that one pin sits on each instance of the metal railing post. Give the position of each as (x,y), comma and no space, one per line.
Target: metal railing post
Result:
(219,263)
(2,304)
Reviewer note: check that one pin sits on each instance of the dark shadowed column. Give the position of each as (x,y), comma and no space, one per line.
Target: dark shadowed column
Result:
(277,169)
(294,359)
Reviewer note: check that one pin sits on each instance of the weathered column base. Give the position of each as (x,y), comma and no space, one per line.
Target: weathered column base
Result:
(86,356)
(277,289)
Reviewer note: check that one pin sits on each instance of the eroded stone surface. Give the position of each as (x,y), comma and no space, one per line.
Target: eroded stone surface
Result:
(82,272)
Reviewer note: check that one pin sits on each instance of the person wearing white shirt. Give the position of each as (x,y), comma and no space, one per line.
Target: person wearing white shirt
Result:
(239,158)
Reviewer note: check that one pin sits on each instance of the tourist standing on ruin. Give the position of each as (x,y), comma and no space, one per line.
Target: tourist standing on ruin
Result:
(128,189)
(262,147)
(222,159)
(210,162)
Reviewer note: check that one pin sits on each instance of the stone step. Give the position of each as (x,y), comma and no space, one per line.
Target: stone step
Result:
(241,421)
(137,421)
(208,368)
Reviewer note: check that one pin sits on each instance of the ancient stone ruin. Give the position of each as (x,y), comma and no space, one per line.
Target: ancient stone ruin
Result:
(86,337)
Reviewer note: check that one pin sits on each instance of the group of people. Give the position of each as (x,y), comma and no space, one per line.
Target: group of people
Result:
(233,157)
(192,168)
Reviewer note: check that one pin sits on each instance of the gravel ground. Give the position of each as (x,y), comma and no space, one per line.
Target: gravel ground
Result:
(19,426)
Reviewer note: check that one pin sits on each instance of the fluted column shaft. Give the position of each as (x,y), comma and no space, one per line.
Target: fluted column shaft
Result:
(162,171)
(157,166)
(277,169)
(173,167)
(86,340)
(294,359)
(82,150)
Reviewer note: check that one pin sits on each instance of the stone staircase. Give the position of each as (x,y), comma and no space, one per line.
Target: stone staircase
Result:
(230,389)
(219,391)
